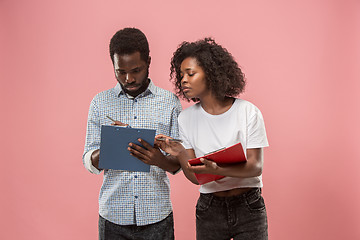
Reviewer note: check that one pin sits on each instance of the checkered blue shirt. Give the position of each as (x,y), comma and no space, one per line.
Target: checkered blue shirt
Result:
(126,197)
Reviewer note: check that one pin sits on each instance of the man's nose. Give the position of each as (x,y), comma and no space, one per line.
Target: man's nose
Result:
(129,78)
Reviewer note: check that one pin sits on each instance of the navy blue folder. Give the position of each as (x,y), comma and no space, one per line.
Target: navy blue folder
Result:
(113,147)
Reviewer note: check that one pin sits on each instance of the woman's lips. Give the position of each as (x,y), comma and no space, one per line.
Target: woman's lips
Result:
(185,89)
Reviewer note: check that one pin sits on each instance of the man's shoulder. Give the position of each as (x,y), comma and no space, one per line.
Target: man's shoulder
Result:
(106,94)
(163,93)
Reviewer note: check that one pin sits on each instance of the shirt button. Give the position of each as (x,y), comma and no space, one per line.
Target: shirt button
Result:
(136,197)
(135,176)
(135,100)
(135,117)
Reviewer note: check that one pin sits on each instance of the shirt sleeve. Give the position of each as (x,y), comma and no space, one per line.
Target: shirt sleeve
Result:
(92,141)
(183,136)
(174,127)
(256,131)
(88,163)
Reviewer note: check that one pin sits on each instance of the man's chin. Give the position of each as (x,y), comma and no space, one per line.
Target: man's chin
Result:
(132,89)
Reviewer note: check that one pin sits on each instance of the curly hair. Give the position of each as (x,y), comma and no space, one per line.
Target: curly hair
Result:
(223,76)
(128,41)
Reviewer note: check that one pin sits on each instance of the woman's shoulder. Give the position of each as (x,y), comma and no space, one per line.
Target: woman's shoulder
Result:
(189,111)
(245,105)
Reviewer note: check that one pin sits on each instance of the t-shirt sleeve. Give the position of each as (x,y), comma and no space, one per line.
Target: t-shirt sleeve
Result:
(256,131)
(182,133)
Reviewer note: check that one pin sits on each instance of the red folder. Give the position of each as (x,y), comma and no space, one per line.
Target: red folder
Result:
(231,155)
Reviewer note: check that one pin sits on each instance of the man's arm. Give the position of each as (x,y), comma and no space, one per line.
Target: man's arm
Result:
(95,156)
(153,156)
(92,143)
(88,162)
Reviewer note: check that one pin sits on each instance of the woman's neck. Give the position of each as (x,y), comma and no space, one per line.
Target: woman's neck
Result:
(215,106)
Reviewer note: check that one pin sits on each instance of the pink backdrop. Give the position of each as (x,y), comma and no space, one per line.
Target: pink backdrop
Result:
(301,59)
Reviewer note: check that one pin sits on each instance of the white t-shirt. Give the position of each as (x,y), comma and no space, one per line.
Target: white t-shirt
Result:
(204,133)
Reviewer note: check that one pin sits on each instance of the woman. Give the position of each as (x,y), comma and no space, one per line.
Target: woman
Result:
(231,207)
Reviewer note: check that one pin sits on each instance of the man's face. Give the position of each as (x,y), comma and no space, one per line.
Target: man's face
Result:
(132,73)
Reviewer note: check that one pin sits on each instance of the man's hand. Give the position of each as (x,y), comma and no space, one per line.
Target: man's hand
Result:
(118,123)
(152,156)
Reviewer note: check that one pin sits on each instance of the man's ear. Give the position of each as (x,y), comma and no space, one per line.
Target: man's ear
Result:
(149,61)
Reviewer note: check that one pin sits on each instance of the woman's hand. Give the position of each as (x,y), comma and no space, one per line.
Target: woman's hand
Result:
(208,166)
(171,147)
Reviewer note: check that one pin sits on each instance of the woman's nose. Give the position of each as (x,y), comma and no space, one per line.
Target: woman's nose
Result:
(183,80)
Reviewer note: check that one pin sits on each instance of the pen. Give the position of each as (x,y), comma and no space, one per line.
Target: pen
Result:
(110,118)
(170,139)
(125,125)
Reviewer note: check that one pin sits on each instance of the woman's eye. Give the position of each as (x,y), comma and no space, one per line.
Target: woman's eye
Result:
(191,74)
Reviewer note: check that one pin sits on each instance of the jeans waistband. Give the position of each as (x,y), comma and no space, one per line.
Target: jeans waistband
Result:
(251,194)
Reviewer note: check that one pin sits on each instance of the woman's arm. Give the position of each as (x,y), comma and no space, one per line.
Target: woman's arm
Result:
(183,160)
(182,155)
(251,168)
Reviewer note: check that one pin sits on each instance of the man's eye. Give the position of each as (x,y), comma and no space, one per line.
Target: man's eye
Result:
(136,70)
(119,71)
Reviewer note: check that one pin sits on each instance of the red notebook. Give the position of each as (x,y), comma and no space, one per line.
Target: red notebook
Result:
(232,154)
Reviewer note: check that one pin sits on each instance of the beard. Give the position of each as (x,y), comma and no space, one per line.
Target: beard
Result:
(139,87)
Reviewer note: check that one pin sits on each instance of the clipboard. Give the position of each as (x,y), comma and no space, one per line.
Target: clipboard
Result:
(113,147)
(230,155)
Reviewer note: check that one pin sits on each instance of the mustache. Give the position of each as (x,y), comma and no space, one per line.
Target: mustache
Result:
(131,85)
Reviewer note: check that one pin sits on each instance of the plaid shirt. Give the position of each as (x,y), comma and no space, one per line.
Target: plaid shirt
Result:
(126,197)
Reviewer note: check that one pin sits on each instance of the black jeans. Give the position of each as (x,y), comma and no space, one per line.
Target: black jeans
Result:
(241,217)
(163,230)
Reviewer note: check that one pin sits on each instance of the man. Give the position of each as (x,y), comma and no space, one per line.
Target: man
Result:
(134,205)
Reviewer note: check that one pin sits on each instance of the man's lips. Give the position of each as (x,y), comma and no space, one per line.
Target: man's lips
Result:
(132,87)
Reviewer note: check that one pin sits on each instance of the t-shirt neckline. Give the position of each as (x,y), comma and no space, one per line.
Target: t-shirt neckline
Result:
(219,115)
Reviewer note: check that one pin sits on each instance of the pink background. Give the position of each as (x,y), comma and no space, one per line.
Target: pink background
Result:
(301,59)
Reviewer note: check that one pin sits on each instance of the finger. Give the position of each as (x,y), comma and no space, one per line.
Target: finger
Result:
(118,123)
(209,163)
(145,144)
(138,148)
(138,155)
(160,136)
(197,168)
(190,167)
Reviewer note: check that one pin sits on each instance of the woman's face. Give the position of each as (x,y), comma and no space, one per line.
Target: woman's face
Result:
(193,82)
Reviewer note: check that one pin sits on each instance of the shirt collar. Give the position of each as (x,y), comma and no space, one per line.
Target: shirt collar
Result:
(151,89)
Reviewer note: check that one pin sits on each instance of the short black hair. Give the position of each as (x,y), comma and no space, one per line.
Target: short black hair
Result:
(128,41)
(222,73)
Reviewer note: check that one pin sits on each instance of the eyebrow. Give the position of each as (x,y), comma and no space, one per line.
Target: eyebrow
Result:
(135,68)
(187,69)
